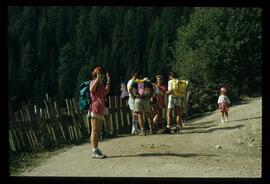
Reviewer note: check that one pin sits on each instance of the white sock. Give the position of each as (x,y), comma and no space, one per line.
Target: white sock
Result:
(168,126)
(94,149)
(134,125)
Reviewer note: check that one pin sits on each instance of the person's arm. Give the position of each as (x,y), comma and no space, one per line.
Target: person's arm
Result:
(169,88)
(130,88)
(94,86)
(108,84)
(218,102)
(229,102)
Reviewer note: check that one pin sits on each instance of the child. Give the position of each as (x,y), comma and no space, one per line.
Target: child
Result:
(223,104)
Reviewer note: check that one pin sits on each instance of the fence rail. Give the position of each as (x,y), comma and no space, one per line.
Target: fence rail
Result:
(35,129)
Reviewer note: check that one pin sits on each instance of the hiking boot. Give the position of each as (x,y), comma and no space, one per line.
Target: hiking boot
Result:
(167,131)
(98,154)
(177,130)
(134,132)
(142,133)
(152,131)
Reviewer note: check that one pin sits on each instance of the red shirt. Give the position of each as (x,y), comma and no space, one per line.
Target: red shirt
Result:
(98,99)
(161,97)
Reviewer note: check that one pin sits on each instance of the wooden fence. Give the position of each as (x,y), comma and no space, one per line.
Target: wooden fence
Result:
(34,129)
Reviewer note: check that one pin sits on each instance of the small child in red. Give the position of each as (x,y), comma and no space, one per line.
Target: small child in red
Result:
(223,104)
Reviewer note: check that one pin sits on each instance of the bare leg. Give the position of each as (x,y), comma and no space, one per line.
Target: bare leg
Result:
(150,120)
(222,117)
(156,119)
(226,116)
(140,121)
(178,116)
(169,112)
(96,127)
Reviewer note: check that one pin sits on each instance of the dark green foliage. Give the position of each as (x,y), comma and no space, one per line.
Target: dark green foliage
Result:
(53,49)
(220,46)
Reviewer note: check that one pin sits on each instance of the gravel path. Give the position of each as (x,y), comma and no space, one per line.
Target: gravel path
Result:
(206,148)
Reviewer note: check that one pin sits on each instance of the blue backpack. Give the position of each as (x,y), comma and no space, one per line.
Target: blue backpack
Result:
(84,96)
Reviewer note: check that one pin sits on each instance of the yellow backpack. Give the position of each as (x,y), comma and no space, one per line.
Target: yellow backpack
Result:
(179,87)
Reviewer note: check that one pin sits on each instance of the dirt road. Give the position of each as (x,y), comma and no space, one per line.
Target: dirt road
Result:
(206,148)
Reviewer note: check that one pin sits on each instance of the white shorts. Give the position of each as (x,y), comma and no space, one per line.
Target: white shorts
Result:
(174,101)
(99,117)
(131,103)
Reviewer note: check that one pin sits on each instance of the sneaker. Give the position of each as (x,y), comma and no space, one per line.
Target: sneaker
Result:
(98,154)
(222,121)
(178,129)
(167,131)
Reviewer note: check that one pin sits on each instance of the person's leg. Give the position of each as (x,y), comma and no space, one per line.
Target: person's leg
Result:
(134,127)
(148,112)
(222,115)
(156,120)
(178,114)
(141,123)
(168,127)
(151,123)
(226,116)
(109,125)
(134,123)
(169,113)
(96,128)
(94,132)
(138,109)
(156,117)
(159,121)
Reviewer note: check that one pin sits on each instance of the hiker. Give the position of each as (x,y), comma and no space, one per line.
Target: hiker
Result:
(223,104)
(131,102)
(161,89)
(124,94)
(154,104)
(176,92)
(98,91)
(142,93)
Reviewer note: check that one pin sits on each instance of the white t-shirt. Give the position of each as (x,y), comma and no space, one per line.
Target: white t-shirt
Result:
(170,85)
(129,86)
(223,99)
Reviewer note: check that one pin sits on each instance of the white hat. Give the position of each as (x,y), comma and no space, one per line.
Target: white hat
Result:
(146,79)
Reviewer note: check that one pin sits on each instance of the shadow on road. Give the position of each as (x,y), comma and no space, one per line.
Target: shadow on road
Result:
(163,154)
(213,129)
(257,117)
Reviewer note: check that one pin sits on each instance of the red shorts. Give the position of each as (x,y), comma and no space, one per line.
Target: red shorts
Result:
(224,107)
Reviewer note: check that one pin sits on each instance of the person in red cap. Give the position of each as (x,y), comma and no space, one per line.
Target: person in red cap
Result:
(98,91)
(223,104)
